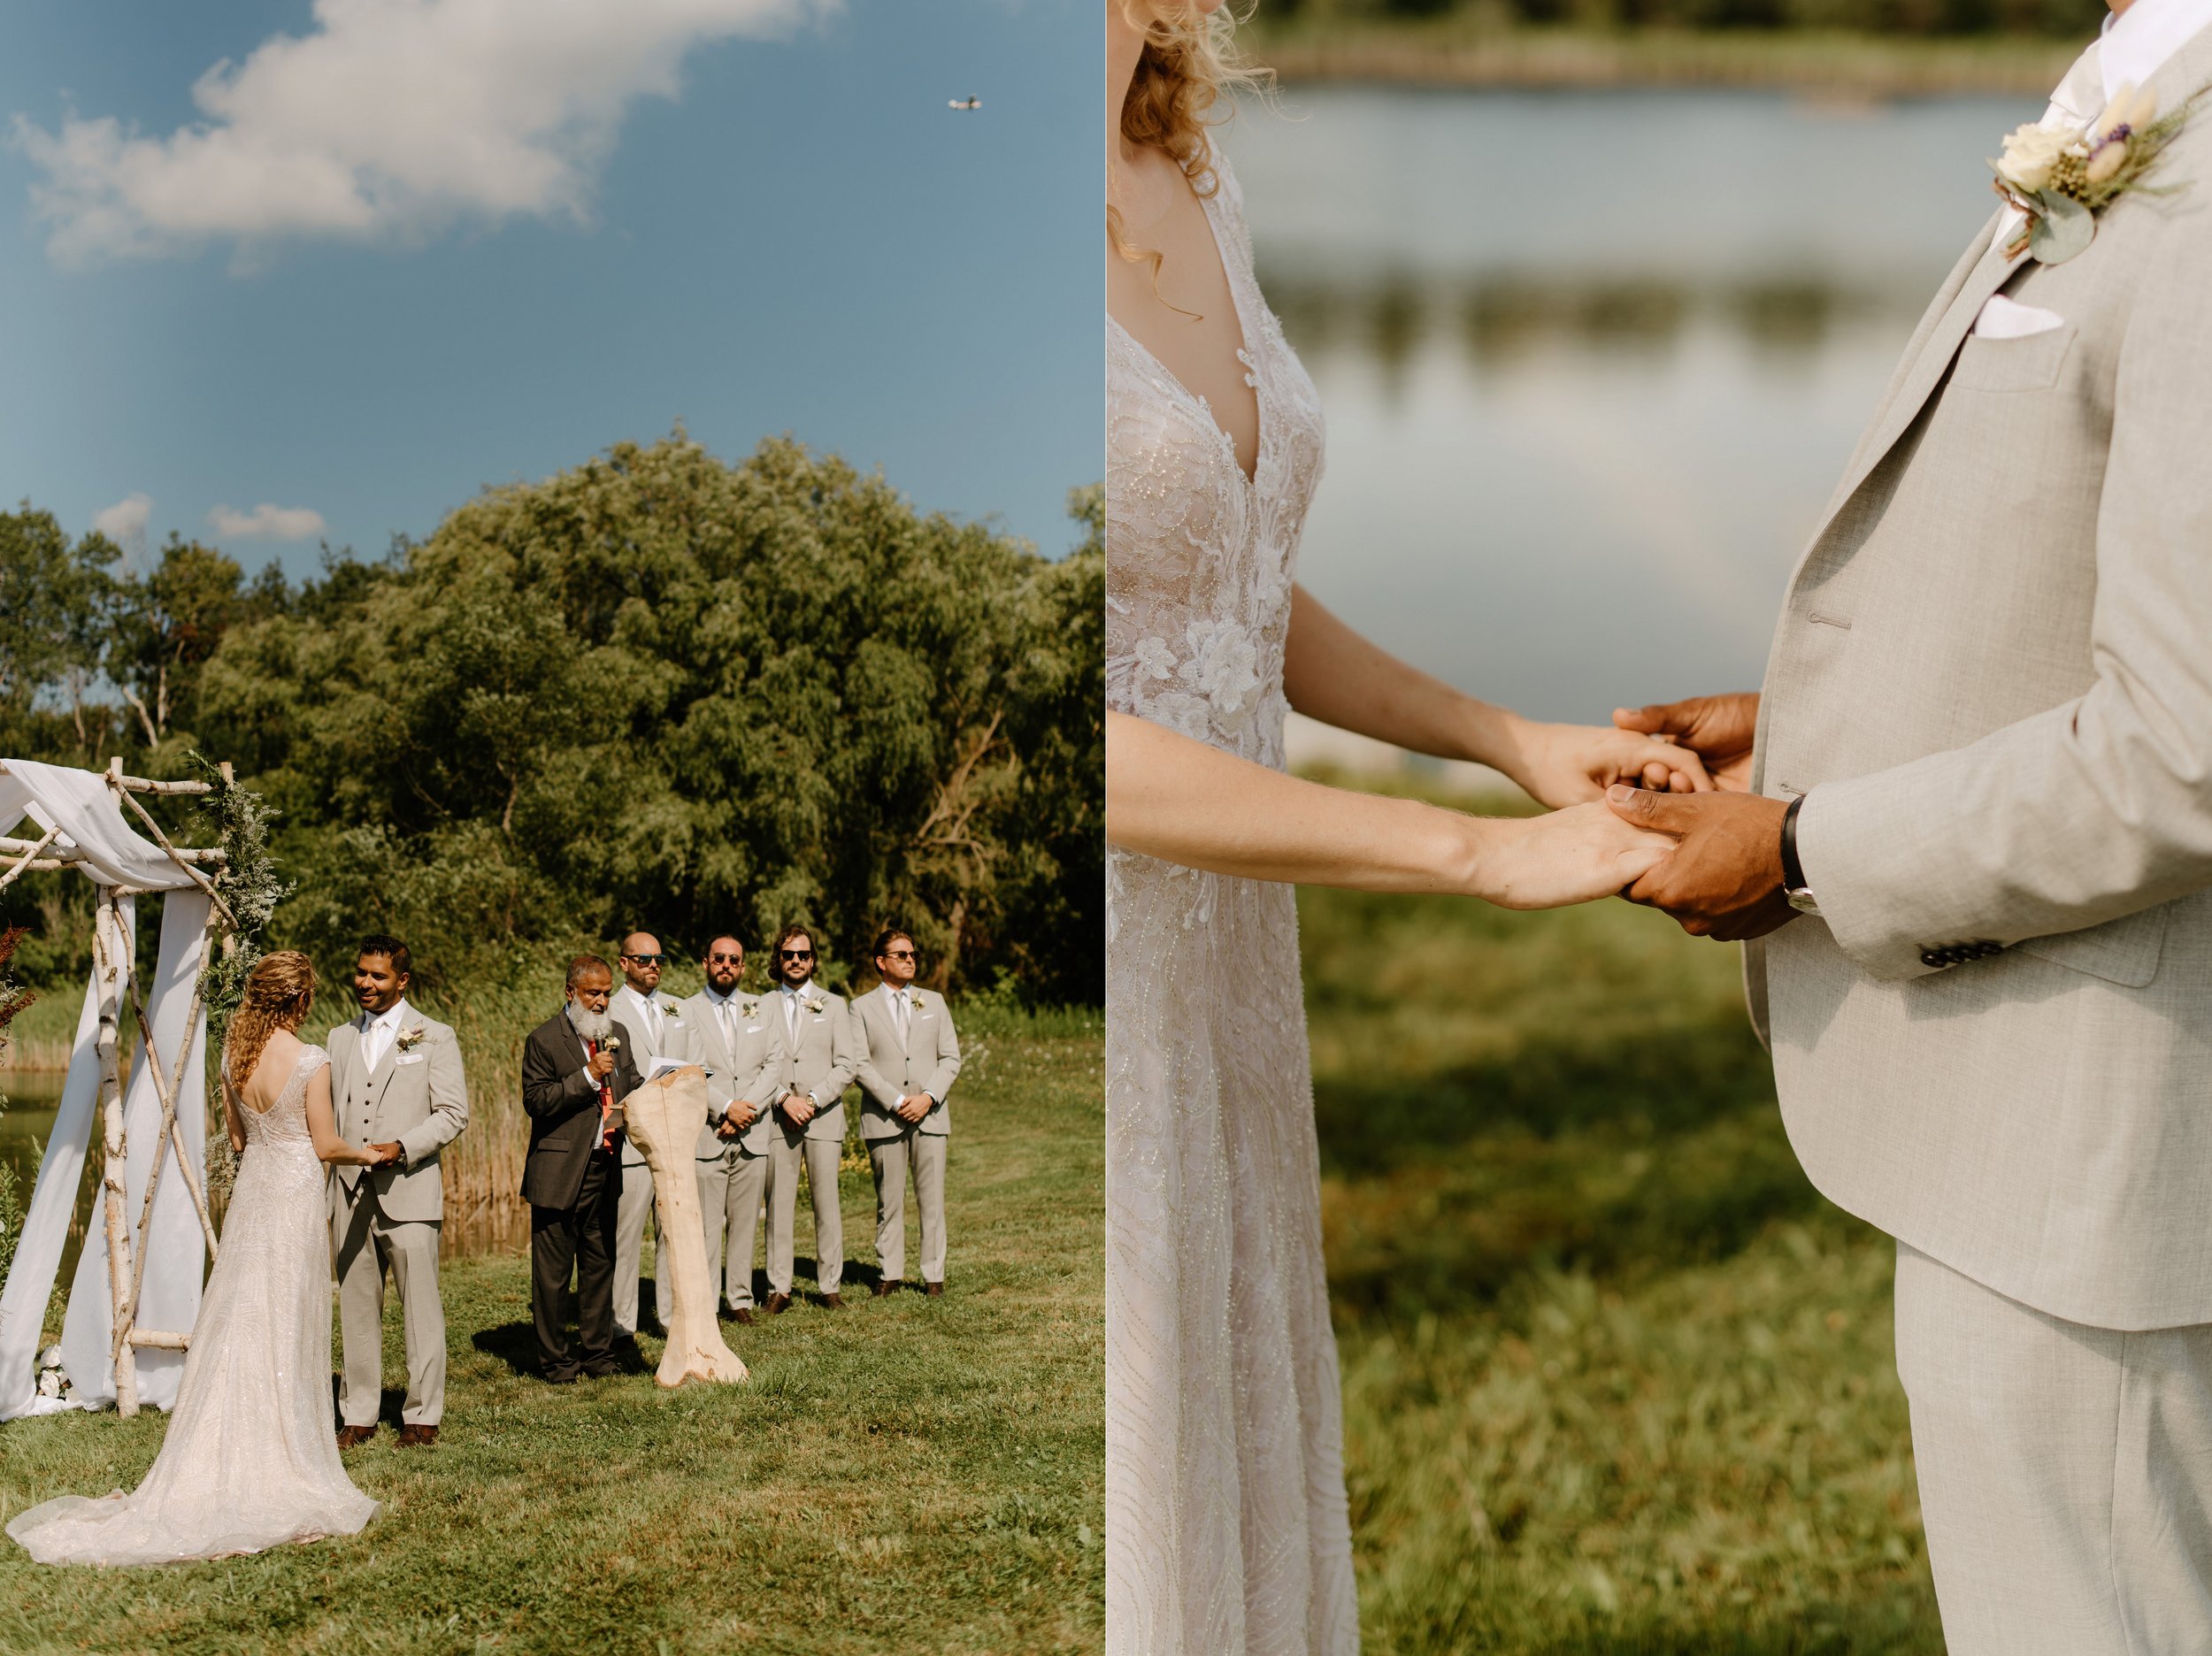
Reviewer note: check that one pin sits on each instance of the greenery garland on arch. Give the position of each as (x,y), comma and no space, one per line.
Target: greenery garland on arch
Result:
(235,819)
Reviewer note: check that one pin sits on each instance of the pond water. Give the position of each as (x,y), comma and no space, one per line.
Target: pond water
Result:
(1592,362)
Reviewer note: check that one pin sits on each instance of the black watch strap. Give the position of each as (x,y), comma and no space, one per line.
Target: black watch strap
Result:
(1793,870)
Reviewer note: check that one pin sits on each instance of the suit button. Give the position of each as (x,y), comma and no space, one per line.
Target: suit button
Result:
(1983,950)
(1932,957)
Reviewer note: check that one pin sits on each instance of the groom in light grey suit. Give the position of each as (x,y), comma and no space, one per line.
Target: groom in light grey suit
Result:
(908,1059)
(1977,844)
(731,1037)
(395,1076)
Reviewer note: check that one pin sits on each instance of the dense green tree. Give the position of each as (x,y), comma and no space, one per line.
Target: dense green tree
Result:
(56,609)
(658,690)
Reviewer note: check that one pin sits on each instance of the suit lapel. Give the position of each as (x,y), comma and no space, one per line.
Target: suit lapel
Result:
(1979,275)
(1983,271)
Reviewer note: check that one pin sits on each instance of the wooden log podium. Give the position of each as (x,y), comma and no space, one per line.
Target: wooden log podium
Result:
(664,1118)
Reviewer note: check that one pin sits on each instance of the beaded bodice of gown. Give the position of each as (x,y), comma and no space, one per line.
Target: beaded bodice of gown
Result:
(1226,1524)
(250,1459)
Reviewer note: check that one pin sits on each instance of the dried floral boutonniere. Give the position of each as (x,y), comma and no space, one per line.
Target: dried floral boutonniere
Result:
(408,1039)
(2063,177)
(814,1007)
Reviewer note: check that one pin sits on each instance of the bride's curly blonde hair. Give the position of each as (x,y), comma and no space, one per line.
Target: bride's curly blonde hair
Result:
(279,990)
(1189,60)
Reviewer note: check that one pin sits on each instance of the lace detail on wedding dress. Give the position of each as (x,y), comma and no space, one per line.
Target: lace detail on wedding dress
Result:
(251,1460)
(1226,1528)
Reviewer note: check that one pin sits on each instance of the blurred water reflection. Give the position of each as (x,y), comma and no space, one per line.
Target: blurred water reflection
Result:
(1591,362)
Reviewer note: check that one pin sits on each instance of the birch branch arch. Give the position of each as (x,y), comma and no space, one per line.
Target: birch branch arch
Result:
(80,824)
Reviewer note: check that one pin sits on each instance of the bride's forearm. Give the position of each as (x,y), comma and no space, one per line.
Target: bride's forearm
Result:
(1179,800)
(1331,673)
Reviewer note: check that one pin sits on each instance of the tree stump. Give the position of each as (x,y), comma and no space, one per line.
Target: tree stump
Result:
(664,1118)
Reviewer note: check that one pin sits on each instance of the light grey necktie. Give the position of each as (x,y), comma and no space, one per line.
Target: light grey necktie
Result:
(905,1013)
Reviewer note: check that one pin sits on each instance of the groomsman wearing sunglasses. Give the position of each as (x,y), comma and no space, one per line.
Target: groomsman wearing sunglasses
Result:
(909,1056)
(732,1037)
(655,1024)
(812,1068)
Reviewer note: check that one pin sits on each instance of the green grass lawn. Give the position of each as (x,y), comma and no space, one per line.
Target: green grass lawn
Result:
(906,1476)
(1616,1378)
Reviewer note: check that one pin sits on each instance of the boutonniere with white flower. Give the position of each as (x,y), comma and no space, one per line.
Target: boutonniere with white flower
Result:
(669,1011)
(408,1039)
(2063,177)
(814,1007)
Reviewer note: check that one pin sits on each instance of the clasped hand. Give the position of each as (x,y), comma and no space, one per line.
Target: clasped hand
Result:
(1723,879)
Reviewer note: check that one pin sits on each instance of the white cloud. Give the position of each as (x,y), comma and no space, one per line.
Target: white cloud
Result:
(124,522)
(389,119)
(266,521)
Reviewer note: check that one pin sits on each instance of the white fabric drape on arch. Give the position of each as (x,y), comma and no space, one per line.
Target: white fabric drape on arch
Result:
(80,804)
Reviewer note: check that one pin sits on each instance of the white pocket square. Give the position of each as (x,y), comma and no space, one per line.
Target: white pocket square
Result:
(755,1029)
(2003,318)
(405,1058)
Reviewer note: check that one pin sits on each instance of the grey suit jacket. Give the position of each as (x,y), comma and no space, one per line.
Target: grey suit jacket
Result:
(822,1062)
(890,1069)
(418,1097)
(741,1070)
(673,1041)
(1992,678)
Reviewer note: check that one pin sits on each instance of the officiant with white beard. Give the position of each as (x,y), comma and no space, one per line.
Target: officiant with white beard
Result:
(577,1068)
(395,1078)
(656,1024)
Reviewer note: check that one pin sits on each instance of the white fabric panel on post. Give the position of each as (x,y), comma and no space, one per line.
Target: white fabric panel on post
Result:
(161,1250)
(46,1225)
(171,1245)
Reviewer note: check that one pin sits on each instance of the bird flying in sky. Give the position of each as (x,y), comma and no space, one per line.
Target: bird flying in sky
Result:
(967,103)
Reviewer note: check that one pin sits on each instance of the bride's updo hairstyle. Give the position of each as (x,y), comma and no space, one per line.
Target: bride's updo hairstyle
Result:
(279,990)
(1189,60)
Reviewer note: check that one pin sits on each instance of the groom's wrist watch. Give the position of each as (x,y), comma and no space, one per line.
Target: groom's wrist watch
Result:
(1794,890)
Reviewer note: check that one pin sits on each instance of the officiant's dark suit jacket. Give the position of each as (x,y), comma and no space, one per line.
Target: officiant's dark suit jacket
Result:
(563,1110)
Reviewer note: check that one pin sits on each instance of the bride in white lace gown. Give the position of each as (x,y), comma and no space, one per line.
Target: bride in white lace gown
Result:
(1226,1525)
(251,1460)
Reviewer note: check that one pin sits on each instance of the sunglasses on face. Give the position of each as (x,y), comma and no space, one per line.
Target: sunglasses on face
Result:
(898,955)
(725,960)
(646,960)
(795,953)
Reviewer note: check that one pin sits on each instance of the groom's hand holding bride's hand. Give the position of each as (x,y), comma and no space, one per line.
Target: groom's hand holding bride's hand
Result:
(1718,729)
(1725,878)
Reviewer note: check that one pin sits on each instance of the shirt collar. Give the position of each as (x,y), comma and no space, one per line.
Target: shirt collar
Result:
(2135,44)
(715,996)
(388,1017)
(638,998)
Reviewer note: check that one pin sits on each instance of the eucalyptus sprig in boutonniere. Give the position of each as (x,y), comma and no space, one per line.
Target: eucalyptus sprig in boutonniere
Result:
(408,1039)
(2063,177)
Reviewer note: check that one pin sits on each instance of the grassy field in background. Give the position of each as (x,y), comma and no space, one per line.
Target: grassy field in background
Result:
(1616,1378)
(909,1475)
(1457,50)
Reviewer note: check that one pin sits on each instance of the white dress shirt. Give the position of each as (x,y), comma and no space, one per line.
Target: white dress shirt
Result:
(378,1031)
(649,1015)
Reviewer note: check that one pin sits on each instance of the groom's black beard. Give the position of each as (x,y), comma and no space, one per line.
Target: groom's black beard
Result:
(593,1026)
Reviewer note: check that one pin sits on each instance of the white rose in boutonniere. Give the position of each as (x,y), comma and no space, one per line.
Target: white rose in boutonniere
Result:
(814,1007)
(2061,177)
(408,1039)
(2032,154)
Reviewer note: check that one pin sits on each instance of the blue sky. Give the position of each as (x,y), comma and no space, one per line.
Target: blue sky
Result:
(417,249)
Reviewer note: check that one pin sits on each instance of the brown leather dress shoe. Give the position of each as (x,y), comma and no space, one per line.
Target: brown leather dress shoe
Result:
(354,1436)
(743,1313)
(418,1436)
(777,1302)
(832,1302)
(883,1288)
(935,1291)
